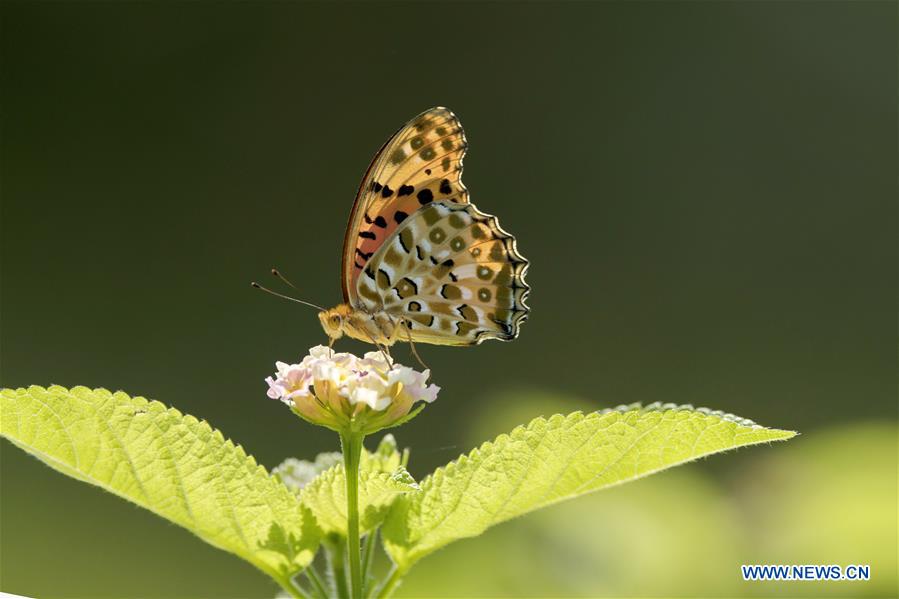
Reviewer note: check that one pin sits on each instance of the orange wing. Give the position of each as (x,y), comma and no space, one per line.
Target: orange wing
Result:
(420,164)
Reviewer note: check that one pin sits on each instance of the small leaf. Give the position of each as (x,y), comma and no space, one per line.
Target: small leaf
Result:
(174,465)
(382,478)
(386,449)
(554,459)
(385,458)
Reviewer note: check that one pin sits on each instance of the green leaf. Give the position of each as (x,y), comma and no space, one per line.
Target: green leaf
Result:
(174,465)
(554,459)
(382,478)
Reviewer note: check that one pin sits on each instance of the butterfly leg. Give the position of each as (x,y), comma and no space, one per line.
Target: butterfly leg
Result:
(385,351)
(393,334)
(383,348)
(405,325)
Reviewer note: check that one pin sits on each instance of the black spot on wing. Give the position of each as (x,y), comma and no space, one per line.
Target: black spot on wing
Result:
(380,222)
(386,192)
(368,235)
(399,216)
(445,187)
(363,254)
(405,190)
(425,196)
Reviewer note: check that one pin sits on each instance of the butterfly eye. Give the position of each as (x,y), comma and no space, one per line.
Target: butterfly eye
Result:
(335,320)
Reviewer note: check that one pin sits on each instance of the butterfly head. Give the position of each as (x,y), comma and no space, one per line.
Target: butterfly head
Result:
(334,320)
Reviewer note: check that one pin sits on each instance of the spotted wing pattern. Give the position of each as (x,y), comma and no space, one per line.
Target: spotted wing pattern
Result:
(420,164)
(451,275)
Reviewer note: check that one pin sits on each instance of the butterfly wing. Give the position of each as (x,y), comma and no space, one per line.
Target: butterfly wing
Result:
(451,274)
(420,164)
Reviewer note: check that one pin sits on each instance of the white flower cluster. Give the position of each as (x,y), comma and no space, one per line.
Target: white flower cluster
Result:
(338,390)
(297,474)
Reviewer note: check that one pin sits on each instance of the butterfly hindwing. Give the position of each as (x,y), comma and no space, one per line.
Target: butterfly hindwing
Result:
(451,274)
(420,164)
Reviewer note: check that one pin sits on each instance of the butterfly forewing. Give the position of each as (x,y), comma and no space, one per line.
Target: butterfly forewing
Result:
(450,275)
(420,164)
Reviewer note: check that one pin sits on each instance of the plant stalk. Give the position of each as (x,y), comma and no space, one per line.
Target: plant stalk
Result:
(368,550)
(291,587)
(393,579)
(351,444)
(336,560)
(316,581)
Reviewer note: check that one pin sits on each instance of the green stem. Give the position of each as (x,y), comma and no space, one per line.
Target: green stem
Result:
(394,578)
(338,573)
(368,550)
(317,584)
(288,585)
(352,453)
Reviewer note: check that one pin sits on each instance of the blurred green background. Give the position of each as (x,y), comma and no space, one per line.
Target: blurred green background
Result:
(706,192)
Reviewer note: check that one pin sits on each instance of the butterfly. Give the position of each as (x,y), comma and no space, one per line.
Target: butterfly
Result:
(420,263)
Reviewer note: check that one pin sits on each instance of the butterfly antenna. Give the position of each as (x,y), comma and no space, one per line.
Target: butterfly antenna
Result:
(277,274)
(287,297)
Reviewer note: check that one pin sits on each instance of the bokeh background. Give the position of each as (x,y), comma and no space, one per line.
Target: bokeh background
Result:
(706,192)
